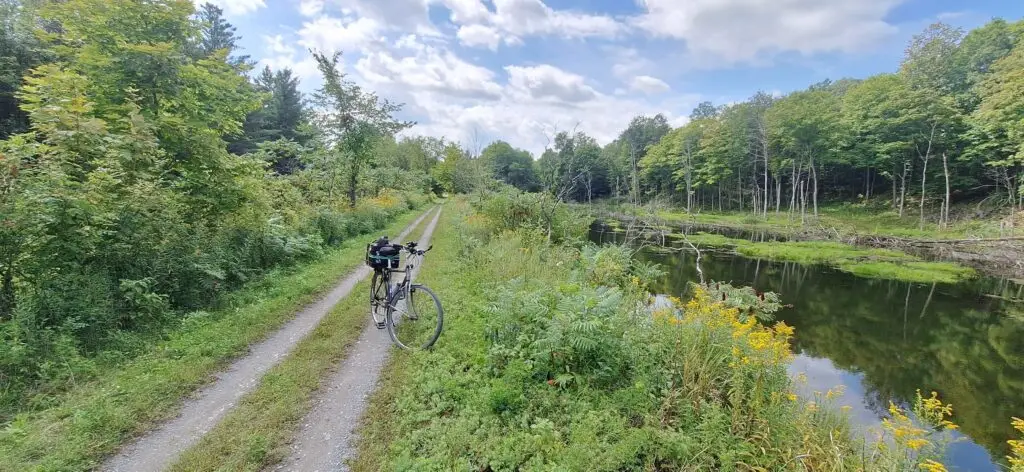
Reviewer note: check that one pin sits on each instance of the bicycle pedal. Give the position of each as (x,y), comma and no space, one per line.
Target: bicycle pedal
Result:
(380,324)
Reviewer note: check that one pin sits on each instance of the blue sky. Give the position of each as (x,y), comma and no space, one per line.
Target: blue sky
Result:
(521,70)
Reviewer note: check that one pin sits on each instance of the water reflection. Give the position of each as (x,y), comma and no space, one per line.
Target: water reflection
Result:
(885,339)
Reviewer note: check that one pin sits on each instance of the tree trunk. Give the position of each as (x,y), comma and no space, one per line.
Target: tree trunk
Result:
(924,179)
(903,185)
(945,209)
(793,185)
(764,212)
(739,186)
(814,175)
(803,202)
(924,172)
(353,181)
(894,200)
(719,196)
(689,183)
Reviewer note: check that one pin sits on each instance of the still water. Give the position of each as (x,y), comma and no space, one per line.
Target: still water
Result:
(885,339)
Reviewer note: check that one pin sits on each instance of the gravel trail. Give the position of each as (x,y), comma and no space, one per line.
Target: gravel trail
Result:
(159,448)
(327,437)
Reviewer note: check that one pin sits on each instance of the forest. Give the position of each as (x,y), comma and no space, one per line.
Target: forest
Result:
(945,128)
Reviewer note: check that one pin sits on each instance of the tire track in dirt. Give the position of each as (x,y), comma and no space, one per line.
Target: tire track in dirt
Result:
(157,449)
(327,437)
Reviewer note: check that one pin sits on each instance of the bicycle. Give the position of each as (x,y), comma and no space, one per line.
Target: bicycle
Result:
(412,313)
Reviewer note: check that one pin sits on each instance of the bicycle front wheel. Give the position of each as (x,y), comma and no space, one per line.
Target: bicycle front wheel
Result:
(415,318)
(379,297)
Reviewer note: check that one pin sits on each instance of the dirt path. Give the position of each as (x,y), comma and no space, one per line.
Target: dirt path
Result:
(327,437)
(157,449)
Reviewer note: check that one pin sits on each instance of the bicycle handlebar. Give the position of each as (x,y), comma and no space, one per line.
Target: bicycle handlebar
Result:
(410,247)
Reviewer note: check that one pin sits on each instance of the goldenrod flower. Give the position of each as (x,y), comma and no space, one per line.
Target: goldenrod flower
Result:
(917,443)
(932,466)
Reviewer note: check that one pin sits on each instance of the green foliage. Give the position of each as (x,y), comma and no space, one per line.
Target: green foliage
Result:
(117,395)
(511,209)
(511,166)
(281,118)
(941,130)
(542,369)
(875,263)
(121,210)
(352,120)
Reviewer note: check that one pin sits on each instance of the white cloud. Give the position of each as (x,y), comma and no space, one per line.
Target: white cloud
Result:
(276,45)
(649,85)
(467,11)
(234,7)
(533,17)
(402,15)
(311,7)
(431,69)
(628,61)
(730,31)
(530,124)
(281,55)
(479,36)
(408,60)
(453,98)
(339,34)
(549,83)
(512,20)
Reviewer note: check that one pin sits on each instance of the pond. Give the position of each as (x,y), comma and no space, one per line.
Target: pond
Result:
(884,339)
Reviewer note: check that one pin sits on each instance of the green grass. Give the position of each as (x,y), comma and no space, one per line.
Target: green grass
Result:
(256,432)
(918,271)
(863,262)
(848,220)
(93,419)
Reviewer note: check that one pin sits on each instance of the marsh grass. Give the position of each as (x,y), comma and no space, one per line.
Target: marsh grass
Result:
(849,220)
(863,262)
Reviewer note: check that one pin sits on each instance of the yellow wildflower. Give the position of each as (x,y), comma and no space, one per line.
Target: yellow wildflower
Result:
(783,329)
(917,443)
(760,340)
(1016,456)
(792,397)
(932,466)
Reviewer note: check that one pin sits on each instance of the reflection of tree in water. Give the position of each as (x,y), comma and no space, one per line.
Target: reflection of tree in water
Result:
(952,339)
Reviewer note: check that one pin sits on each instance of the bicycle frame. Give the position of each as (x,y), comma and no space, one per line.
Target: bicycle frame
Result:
(406,280)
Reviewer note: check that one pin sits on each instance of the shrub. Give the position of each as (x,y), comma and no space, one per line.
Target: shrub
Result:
(512,209)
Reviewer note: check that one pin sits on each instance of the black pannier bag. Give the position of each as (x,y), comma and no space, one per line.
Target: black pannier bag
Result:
(381,254)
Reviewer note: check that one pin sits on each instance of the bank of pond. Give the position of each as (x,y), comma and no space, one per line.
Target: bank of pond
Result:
(880,322)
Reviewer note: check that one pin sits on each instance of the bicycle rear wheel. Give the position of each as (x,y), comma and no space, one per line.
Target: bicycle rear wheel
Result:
(415,318)
(379,294)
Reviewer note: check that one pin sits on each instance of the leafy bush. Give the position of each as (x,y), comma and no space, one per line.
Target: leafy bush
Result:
(140,270)
(511,209)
